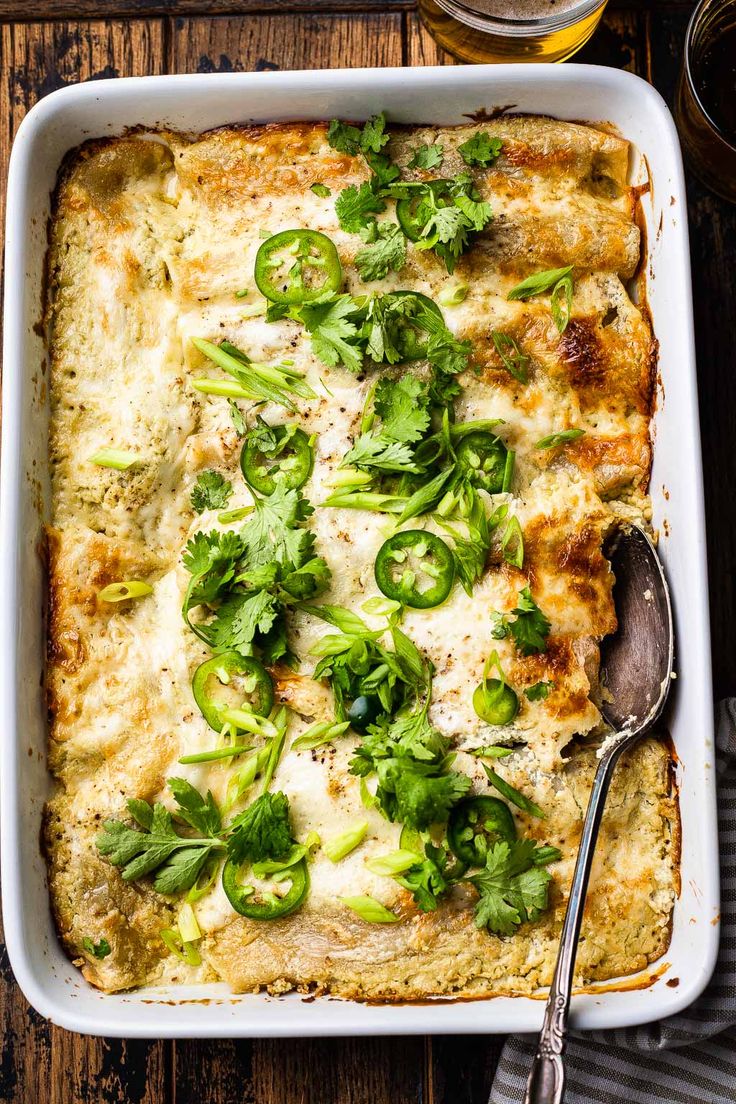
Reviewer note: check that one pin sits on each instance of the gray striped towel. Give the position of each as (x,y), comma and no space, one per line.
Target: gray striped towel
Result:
(689,1058)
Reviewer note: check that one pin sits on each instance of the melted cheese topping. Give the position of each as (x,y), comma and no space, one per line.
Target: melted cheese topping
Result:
(152,238)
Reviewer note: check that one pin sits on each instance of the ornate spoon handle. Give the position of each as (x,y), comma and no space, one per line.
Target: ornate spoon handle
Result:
(546,1084)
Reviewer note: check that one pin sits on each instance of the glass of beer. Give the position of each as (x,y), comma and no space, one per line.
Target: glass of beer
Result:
(511,30)
(706,96)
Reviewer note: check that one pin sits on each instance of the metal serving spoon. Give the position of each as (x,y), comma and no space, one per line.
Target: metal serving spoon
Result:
(636,670)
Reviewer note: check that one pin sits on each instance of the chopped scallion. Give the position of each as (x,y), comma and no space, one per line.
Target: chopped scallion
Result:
(368,908)
(346,842)
(122,591)
(119,459)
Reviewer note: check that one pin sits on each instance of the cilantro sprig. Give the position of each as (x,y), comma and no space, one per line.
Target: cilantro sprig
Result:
(528,626)
(513,887)
(243,582)
(211,491)
(164,845)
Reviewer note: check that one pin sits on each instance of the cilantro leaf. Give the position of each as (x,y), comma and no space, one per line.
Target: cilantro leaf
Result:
(481,149)
(422,799)
(238,420)
(373,137)
(333,332)
(343,137)
(427,157)
(426,879)
(403,406)
(540,691)
(355,206)
(388,252)
(212,559)
(98,950)
(177,859)
(240,618)
(379,452)
(513,886)
(211,491)
(261,831)
(531,628)
(198,812)
(410,757)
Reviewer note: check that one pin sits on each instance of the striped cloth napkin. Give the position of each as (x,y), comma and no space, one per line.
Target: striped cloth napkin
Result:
(689,1058)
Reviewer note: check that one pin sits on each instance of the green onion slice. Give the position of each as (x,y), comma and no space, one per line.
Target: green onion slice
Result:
(119,459)
(342,845)
(127,588)
(368,908)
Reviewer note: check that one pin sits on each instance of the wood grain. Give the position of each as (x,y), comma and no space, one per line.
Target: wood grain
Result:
(85,9)
(227,44)
(301,1071)
(38,58)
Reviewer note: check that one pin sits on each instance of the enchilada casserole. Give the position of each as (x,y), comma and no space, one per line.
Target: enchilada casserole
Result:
(342,416)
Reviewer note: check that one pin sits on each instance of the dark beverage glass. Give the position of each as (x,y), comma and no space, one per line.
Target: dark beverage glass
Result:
(706,96)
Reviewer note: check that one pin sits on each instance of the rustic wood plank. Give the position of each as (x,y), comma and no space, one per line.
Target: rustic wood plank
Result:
(301,1071)
(618,41)
(37,58)
(232,44)
(40,1062)
(91,9)
(713,247)
(461,1068)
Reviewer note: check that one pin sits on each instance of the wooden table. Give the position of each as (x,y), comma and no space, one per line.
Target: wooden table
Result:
(58,42)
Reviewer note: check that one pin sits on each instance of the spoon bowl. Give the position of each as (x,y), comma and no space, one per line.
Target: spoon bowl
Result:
(636,675)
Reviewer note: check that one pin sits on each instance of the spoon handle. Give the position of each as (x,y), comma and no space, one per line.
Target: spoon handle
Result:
(546,1083)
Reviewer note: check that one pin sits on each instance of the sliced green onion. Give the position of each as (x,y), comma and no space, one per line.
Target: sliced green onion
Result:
(512,543)
(322,732)
(250,722)
(183,951)
(114,458)
(368,799)
(349,477)
(380,606)
(228,516)
(311,843)
(205,880)
(276,747)
(242,293)
(512,794)
(346,842)
(368,908)
(561,303)
(492,751)
(215,754)
(188,926)
(243,778)
(411,840)
(128,588)
(396,862)
(452,295)
(561,438)
(320,190)
(229,388)
(266,869)
(508,471)
(367,500)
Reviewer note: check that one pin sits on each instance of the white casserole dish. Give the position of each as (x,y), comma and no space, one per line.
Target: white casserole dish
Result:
(433,95)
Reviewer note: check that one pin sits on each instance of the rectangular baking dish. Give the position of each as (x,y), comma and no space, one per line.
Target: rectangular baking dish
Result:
(431,95)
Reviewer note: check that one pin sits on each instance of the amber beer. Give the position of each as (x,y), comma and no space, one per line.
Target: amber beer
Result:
(511,30)
(706,97)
